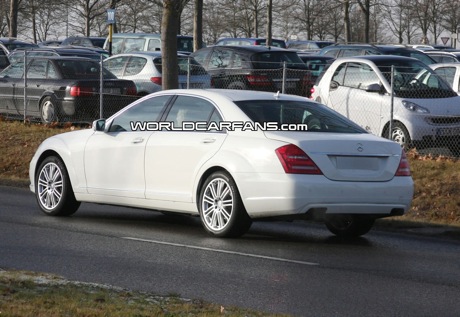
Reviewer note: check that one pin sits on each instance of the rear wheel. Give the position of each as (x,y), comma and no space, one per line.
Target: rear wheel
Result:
(349,225)
(48,110)
(221,209)
(237,85)
(53,190)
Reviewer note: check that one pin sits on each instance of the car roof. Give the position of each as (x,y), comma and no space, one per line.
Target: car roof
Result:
(251,48)
(236,95)
(377,58)
(54,57)
(443,52)
(453,64)
(55,49)
(148,53)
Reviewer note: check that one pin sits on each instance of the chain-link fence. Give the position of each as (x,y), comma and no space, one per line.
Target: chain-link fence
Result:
(412,106)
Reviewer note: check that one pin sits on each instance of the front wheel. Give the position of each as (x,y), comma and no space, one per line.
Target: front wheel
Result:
(400,135)
(53,189)
(221,209)
(349,226)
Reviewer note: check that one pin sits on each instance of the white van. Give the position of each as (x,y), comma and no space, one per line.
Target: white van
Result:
(136,42)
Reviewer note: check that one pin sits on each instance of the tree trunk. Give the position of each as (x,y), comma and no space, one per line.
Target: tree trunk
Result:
(169,29)
(198,25)
(13,28)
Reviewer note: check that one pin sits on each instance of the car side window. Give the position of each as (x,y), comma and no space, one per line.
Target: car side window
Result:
(191,109)
(200,56)
(148,110)
(446,73)
(339,74)
(135,66)
(154,45)
(359,76)
(116,65)
(220,59)
(51,71)
(37,69)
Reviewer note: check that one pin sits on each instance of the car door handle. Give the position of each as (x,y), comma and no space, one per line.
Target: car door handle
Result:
(138,140)
(208,140)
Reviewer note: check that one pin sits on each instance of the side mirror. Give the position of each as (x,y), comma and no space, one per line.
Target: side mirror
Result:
(334,85)
(99,125)
(374,88)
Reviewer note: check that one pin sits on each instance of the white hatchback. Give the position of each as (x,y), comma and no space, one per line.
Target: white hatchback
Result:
(424,110)
(229,156)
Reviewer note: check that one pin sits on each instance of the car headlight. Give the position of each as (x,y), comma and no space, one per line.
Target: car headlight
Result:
(414,107)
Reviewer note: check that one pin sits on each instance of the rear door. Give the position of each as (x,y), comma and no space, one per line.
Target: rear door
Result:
(174,158)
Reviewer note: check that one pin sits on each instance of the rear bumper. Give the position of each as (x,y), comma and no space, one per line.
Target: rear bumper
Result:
(270,195)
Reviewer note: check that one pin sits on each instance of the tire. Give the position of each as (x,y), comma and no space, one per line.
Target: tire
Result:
(237,85)
(53,189)
(221,209)
(48,111)
(349,226)
(400,135)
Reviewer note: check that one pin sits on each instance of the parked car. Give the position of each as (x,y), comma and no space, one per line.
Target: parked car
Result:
(150,42)
(255,68)
(8,44)
(308,46)
(145,70)
(347,50)
(344,50)
(87,41)
(228,176)
(444,56)
(62,88)
(238,41)
(405,51)
(425,109)
(4,60)
(50,43)
(18,54)
(450,72)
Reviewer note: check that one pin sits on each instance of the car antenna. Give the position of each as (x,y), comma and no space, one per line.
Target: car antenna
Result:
(277,95)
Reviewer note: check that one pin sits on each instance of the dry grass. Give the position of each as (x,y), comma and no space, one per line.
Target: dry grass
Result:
(28,294)
(437,179)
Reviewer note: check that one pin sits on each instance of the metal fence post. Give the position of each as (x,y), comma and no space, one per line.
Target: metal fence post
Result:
(25,86)
(392,76)
(283,87)
(101,89)
(189,67)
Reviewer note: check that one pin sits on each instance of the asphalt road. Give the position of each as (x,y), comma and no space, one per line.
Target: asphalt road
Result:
(297,268)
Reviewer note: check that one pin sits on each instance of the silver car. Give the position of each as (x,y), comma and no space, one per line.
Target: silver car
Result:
(144,68)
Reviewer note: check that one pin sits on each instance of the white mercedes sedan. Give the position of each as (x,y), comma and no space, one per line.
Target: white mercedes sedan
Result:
(229,157)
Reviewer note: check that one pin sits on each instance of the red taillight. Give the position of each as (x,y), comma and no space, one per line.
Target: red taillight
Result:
(312,90)
(403,168)
(78,91)
(258,80)
(131,90)
(156,80)
(295,161)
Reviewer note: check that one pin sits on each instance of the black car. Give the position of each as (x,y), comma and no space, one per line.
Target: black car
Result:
(18,54)
(255,68)
(63,88)
(347,50)
(7,45)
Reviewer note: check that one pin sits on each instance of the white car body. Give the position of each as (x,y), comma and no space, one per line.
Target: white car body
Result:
(165,170)
(427,120)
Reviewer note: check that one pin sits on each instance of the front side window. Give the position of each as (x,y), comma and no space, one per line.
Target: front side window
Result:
(148,110)
(446,73)
(116,65)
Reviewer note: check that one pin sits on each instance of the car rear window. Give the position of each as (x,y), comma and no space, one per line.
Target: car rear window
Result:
(81,69)
(298,112)
(275,60)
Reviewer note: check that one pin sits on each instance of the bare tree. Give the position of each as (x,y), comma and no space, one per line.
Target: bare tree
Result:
(452,18)
(198,25)
(87,11)
(169,27)
(13,18)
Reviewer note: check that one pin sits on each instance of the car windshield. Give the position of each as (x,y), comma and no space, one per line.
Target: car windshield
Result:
(82,69)
(318,118)
(413,79)
(275,60)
